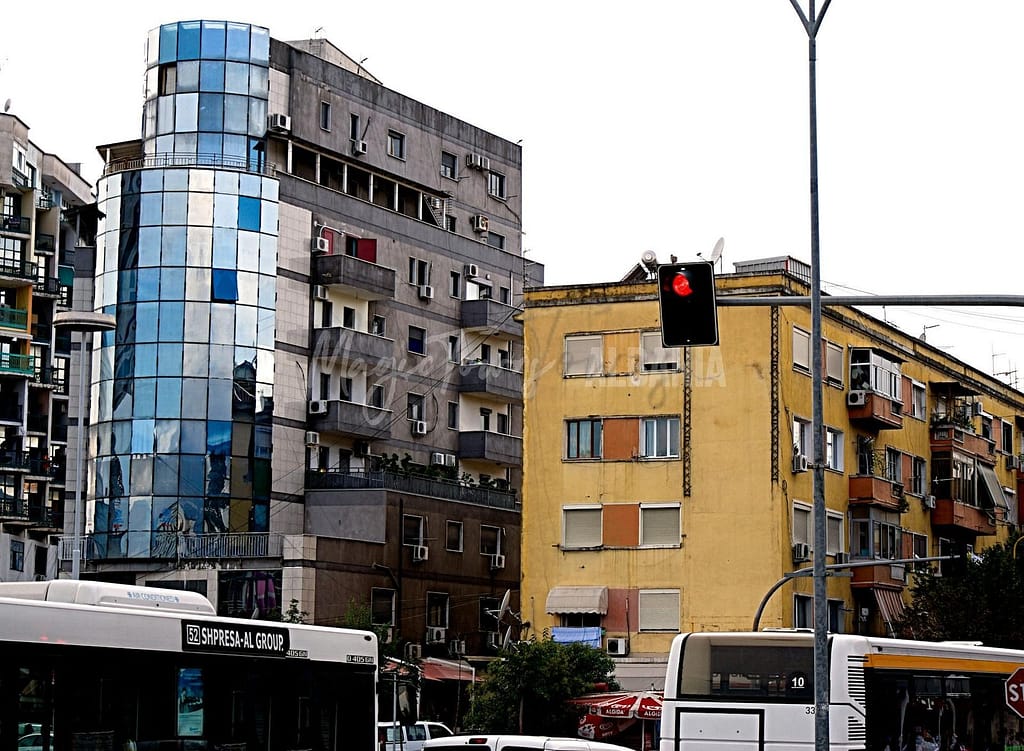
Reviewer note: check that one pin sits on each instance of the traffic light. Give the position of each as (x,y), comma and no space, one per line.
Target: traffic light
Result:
(689,314)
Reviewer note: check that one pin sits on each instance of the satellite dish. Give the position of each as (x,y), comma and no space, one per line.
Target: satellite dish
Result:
(7,105)
(508,638)
(716,252)
(503,609)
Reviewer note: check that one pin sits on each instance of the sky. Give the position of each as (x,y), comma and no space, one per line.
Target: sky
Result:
(661,126)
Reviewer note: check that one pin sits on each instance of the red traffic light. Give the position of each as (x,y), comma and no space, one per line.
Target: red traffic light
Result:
(689,314)
(681,284)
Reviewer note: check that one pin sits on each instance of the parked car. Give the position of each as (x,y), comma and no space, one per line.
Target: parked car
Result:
(32,742)
(392,737)
(502,742)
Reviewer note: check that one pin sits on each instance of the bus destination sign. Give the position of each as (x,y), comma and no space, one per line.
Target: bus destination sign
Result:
(233,638)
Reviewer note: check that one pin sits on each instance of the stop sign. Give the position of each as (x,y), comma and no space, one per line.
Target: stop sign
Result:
(1015,691)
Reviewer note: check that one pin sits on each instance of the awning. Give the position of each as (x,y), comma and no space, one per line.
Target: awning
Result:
(890,605)
(990,486)
(436,669)
(577,600)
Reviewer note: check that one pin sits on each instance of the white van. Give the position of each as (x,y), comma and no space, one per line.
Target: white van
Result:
(519,743)
(392,737)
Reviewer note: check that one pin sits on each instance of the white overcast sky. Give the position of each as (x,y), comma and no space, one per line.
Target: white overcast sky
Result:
(660,125)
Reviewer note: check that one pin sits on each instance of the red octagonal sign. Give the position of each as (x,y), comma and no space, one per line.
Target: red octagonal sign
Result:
(1015,691)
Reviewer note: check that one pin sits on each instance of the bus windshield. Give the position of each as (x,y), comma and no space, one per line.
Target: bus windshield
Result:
(734,668)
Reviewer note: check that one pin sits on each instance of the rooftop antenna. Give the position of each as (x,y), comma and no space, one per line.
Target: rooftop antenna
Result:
(7,105)
(924,331)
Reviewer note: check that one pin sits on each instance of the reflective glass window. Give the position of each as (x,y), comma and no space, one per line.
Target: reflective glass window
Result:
(188,76)
(149,246)
(193,398)
(236,78)
(226,182)
(201,180)
(142,436)
(236,147)
(218,439)
(142,476)
(237,41)
(236,114)
(175,179)
(145,397)
(260,50)
(193,434)
(167,436)
(220,360)
(268,219)
(214,38)
(222,323)
(149,119)
(151,209)
(197,284)
(248,251)
(200,205)
(220,394)
(165,481)
(172,246)
(225,286)
(151,181)
(209,145)
(168,361)
(175,208)
(211,76)
(172,284)
(199,247)
(249,185)
(268,292)
(247,288)
(259,81)
(248,213)
(168,397)
(225,211)
(145,360)
(257,126)
(224,247)
(168,43)
(270,189)
(211,112)
(265,333)
(186,112)
(196,359)
(268,253)
(188,40)
(172,321)
(245,326)
(185,143)
(148,284)
(127,286)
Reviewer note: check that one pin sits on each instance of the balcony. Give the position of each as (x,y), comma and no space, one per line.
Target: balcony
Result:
(348,345)
(48,287)
(44,519)
(17,273)
(45,243)
(13,318)
(413,484)
(349,418)
(492,317)
(956,516)
(12,364)
(871,411)
(231,545)
(884,574)
(368,281)
(13,510)
(868,490)
(15,223)
(945,436)
(484,378)
(15,461)
(50,377)
(492,447)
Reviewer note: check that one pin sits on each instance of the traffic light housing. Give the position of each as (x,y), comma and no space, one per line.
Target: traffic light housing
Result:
(689,313)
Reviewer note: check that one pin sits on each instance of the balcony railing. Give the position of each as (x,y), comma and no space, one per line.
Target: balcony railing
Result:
(490,315)
(48,286)
(18,364)
(220,161)
(19,269)
(231,545)
(15,460)
(15,223)
(45,243)
(13,318)
(416,484)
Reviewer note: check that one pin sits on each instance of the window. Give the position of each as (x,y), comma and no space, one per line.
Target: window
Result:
(581,526)
(485,353)
(801,350)
(382,607)
(449,165)
(803,613)
(834,449)
(505,295)
(453,349)
(653,356)
(417,340)
(17,555)
(485,418)
(579,620)
(878,537)
(495,240)
(377,396)
(378,326)
(326,314)
(502,424)
(414,406)
(802,437)
(834,533)
(396,144)
(325,386)
(437,610)
(348,317)
(659,525)
(345,389)
(453,536)
(803,525)
(325,115)
(414,530)
(449,223)
(893,465)
(659,609)
(833,363)
(919,545)
(918,400)
(455,285)
(583,439)
(583,355)
(918,477)
(659,437)
(496,185)
(490,540)
(419,271)
(1006,437)
(224,285)
(453,415)
(874,371)
(353,127)
(487,607)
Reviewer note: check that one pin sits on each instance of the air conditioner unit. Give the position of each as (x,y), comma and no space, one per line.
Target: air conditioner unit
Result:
(414,651)
(279,123)
(435,634)
(361,448)
(801,552)
(358,147)
(977,408)
(497,561)
(494,640)
(897,490)
(312,438)
(419,427)
(457,647)
(320,292)
(472,271)
(437,458)
(857,398)
(320,245)
(478,161)
(618,646)
(420,553)
(1013,462)
(928,501)
(426,292)
(449,460)
(842,557)
(799,463)
(480,223)
(436,203)
(387,635)
(318,407)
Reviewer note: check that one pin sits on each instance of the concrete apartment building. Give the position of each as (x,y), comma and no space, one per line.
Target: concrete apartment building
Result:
(314,391)
(46,215)
(669,489)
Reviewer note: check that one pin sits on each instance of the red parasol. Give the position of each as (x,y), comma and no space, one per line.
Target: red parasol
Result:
(641,705)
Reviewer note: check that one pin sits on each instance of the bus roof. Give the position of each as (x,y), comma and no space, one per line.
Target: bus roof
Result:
(108,595)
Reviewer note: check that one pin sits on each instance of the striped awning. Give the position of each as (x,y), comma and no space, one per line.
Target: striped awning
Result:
(890,606)
(577,600)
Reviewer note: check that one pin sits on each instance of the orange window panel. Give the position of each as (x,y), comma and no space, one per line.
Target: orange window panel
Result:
(621,524)
(621,437)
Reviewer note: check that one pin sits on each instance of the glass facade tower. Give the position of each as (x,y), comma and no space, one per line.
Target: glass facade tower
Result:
(186,261)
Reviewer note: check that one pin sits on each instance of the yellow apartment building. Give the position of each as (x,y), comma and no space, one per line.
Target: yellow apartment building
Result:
(669,490)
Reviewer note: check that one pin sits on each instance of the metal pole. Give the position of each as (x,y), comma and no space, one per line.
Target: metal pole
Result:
(76,548)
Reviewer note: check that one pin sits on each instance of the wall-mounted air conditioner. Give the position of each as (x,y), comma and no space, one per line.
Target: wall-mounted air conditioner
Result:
(480,223)
(318,406)
(358,147)
(457,647)
(928,501)
(1013,462)
(497,561)
(857,398)
(419,427)
(618,646)
(494,640)
(436,203)
(472,271)
(801,552)
(437,458)
(977,408)
(436,634)
(312,438)
(320,245)
(478,161)
(388,635)
(420,553)
(320,292)
(426,292)
(414,651)
(449,460)
(800,463)
(279,123)
(842,557)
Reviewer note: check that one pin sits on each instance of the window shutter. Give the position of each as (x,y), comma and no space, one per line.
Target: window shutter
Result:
(582,527)
(659,525)
(366,249)
(659,610)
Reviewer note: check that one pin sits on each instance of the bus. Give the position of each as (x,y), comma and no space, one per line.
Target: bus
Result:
(755,691)
(92,665)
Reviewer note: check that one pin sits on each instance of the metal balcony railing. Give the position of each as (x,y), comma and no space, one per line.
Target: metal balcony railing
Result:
(220,161)
(178,546)
(13,363)
(13,318)
(409,483)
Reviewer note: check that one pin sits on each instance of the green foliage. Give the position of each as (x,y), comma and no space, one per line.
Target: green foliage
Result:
(983,603)
(526,691)
(293,614)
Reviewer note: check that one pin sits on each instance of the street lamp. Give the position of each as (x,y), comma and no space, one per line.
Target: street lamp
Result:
(84,323)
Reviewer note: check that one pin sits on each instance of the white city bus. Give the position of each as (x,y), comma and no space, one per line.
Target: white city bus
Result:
(755,692)
(90,665)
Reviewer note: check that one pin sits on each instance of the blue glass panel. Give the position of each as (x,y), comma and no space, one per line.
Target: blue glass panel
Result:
(186,114)
(185,143)
(260,51)
(135,545)
(268,221)
(221,390)
(197,328)
(250,185)
(211,76)
(148,284)
(236,147)
(188,76)
(140,514)
(172,284)
(142,476)
(151,181)
(175,179)
(127,288)
(145,360)
(268,253)
(220,357)
(151,208)
(149,246)
(193,436)
(238,41)
(142,436)
(172,322)
(222,326)
(259,82)
(268,292)
(224,253)
(168,43)
(213,39)
(225,285)
(211,112)
(192,468)
(175,208)
(169,359)
(248,213)
(236,78)
(218,439)
(236,114)
(226,182)
(167,436)
(225,210)
(145,397)
(257,123)
(261,511)
(172,250)
(210,144)
(193,398)
(146,322)
(168,397)
(247,289)
(188,40)
(245,326)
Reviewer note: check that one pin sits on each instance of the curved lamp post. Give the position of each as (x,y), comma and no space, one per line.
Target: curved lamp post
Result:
(85,324)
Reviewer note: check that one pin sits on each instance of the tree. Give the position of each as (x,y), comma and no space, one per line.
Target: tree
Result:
(983,602)
(528,689)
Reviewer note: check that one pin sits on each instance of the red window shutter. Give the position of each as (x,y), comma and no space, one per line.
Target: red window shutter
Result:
(366,249)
